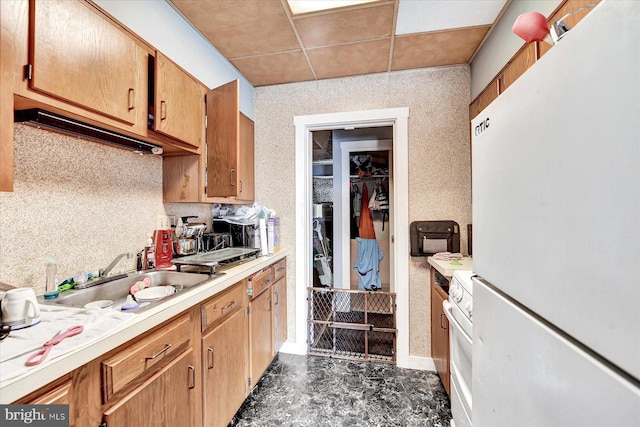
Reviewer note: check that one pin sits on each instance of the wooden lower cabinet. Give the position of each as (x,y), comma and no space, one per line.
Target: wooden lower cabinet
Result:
(279,299)
(166,399)
(440,335)
(224,367)
(194,369)
(260,329)
(60,394)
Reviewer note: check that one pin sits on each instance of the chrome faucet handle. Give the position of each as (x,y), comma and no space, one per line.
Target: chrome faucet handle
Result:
(104,271)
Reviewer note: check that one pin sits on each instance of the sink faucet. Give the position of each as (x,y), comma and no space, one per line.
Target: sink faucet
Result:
(104,271)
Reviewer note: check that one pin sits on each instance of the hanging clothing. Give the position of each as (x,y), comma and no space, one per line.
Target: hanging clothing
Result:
(367,264)
(356,201)
(383,203)
(353,226)
(366,221)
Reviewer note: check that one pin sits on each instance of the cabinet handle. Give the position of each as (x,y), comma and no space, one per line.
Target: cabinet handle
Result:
(192,371)
(240,186)
(231,177)
(275,302)
(266,283)
(269,299)
(442,316)
(163,110)
(166,347)
(228,306)
(211,360)
(132,98)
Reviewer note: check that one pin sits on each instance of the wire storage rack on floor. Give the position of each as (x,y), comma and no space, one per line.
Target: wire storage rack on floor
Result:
(352,324)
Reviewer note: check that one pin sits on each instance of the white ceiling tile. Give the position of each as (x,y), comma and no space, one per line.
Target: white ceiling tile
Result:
(419,16)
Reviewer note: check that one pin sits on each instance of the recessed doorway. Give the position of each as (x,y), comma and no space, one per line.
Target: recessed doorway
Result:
(397,119)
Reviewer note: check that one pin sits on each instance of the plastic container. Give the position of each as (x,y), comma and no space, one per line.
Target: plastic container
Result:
(51,288)
(150,252)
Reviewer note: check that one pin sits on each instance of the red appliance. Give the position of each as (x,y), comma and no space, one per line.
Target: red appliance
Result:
(162,239)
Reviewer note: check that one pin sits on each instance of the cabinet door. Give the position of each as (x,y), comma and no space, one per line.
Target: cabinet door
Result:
(223,132)
(260,335)
(179,102)
(246,159)
(166,399)
(225,369)
(59,395)
(80,57)
(440,335)
(279,314)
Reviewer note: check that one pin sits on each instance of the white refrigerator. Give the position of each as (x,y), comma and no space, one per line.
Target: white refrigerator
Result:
(556,224)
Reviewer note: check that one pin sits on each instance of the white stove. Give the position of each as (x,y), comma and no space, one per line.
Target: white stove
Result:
(459,310)
(461,295)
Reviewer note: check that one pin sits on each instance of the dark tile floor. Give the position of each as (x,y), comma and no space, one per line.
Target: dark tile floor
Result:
(319,391)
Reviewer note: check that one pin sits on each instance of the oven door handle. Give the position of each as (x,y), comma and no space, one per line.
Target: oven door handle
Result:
(452,321)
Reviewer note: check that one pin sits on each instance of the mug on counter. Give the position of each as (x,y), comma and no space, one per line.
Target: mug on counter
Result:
(20,308)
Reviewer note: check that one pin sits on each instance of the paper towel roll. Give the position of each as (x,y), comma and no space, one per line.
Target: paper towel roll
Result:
(263,237)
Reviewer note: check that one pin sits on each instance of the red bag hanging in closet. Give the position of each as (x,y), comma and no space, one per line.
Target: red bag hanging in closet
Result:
(366,222)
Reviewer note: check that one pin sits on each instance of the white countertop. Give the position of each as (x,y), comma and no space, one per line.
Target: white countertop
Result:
(40,375)
(446,268)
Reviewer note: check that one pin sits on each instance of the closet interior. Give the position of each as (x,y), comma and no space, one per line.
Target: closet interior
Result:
(351,306)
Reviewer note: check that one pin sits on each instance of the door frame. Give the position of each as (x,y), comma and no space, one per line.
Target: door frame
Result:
(304,125)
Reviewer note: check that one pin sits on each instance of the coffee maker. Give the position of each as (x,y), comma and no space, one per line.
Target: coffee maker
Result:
(188,237)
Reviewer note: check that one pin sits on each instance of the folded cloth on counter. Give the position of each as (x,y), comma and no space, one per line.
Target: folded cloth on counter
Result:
(20,344)
(448,256)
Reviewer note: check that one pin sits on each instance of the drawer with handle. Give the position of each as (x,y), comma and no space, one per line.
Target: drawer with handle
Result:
(279,269)
(121,369)
(222,306)
(260,281)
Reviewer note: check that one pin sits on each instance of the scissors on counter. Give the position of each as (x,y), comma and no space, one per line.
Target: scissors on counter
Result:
(40,355)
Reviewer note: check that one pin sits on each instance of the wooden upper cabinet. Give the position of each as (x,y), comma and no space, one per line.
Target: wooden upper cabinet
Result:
(230,145)
(77,55)
(246,168)
(485,98)
(521,62)
(224,172)
(223,133)
(179,102)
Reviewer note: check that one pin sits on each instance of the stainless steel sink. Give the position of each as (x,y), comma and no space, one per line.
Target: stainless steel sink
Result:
(117,290)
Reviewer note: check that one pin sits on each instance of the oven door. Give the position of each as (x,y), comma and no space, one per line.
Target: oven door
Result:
(460,349)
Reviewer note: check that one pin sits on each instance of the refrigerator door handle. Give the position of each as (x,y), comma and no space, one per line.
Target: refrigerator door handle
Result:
(448,307)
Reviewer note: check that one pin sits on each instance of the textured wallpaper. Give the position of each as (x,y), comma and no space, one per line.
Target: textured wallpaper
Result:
(439,157)
(78,201)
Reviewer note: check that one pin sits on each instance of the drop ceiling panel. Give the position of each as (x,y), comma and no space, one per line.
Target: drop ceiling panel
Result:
(347,26)
(269,46)
(276,68)
(241,28)
(434,15)
(435,49)
(350,59)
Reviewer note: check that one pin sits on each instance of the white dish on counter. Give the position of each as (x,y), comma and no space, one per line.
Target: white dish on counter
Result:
(103,303)
(154,293)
